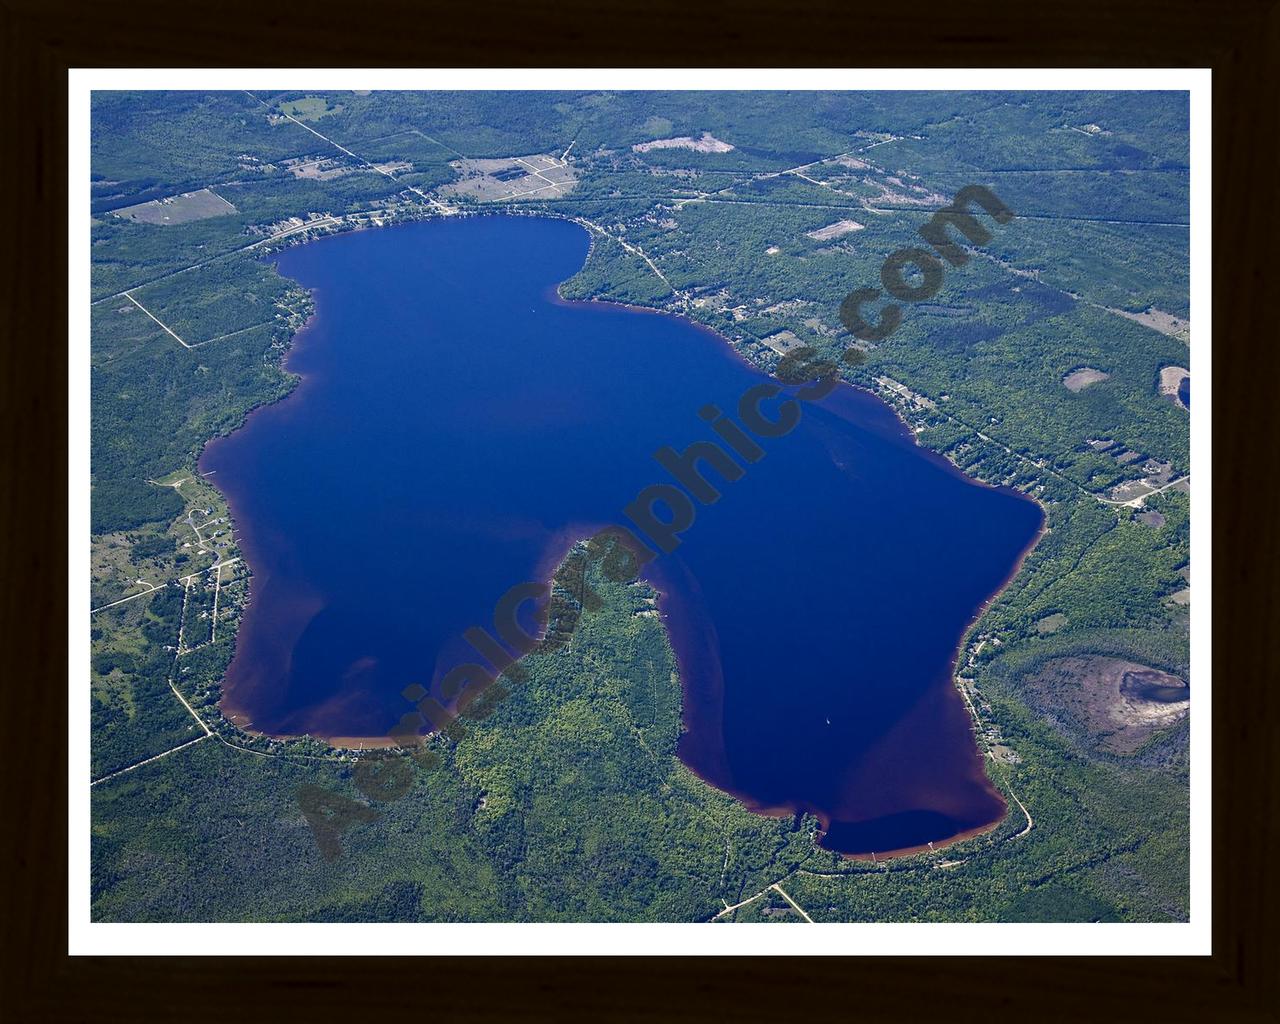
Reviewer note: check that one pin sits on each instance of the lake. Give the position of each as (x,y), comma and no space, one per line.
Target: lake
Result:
(457,426)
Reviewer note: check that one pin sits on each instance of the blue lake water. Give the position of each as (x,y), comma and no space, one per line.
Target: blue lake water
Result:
(457,425)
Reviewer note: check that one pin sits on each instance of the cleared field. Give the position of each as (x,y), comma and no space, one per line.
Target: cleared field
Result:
(840,227)
(178,209)
(1078,380)
(488,181)
(783,342)
(1051,623)
(310,108)
(1165,323)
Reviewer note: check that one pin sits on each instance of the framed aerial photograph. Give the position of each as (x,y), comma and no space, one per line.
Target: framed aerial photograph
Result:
(685,513)
(768,502)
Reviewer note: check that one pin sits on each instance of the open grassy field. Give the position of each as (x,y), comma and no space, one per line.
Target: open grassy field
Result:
(178,209)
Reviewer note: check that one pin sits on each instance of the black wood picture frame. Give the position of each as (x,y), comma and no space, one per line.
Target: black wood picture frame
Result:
(1238,39)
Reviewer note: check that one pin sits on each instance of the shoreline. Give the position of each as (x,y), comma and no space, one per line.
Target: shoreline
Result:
(979,744)
(548,566)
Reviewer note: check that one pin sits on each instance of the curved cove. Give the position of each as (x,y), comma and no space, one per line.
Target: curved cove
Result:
(457,426)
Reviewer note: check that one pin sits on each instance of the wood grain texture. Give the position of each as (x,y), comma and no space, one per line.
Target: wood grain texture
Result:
(1240,40)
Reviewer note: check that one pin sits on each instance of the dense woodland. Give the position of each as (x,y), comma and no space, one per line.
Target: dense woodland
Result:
(567,801)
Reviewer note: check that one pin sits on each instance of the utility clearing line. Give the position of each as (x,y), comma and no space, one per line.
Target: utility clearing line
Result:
(168,330)
(217,588)
(172,750)
(232,334)
(443,145)
(730,909)
(751,899)
(209,189)
(1138,501)
(799,909)
(131,597)
(188,345)
(213,259)
(186,590)
(207,731)
(797,170)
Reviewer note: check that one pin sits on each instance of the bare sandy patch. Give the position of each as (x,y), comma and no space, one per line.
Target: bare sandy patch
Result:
(1157,320)
(1171,378)
(707,144)
(1159,473)
(840,227)
(1130,490)
(901,196)
(1078,380)
(783,342)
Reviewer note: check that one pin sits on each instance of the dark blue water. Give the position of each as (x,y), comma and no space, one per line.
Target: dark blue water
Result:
(457,426)
(1184,391)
